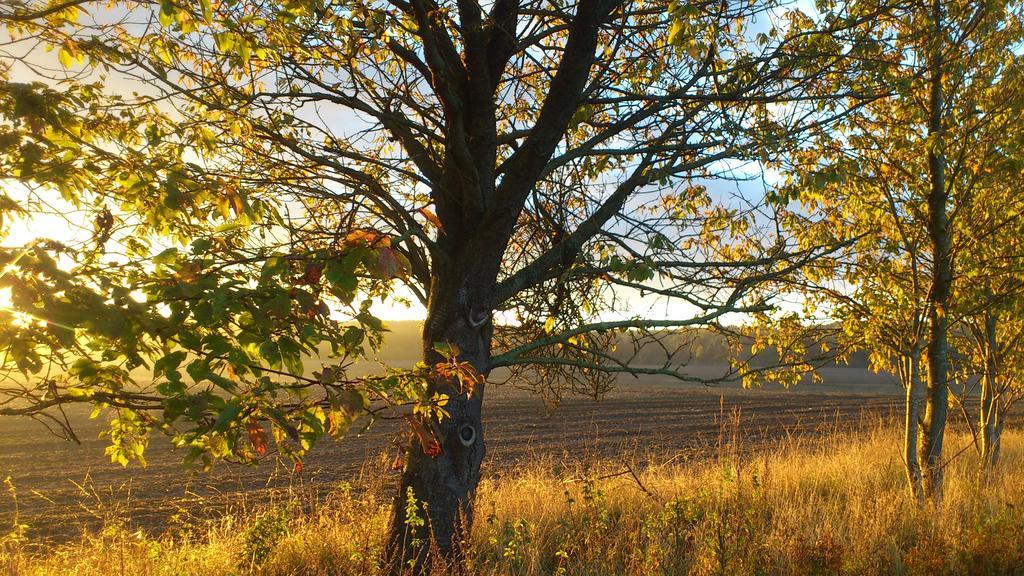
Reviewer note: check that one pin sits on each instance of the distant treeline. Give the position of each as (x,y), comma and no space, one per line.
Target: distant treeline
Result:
(402,346)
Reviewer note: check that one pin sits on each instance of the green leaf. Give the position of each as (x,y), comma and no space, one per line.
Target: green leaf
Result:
(167,365)
(242,48)
(675,33)
(340,273)
(166,257)
(167,13)
(445,349)
(227,416)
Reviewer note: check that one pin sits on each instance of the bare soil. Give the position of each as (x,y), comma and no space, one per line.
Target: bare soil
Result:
(64,489)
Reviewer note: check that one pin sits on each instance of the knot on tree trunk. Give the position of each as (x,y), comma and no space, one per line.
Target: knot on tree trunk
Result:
(433,505)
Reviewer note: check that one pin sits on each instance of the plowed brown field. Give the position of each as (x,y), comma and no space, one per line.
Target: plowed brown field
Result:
(64,488)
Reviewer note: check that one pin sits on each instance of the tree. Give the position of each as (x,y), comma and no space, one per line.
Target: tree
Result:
(988,314)
(538,161)
(989,365)
(897,175)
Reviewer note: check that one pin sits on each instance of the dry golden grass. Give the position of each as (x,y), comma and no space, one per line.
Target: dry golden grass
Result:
(837,504)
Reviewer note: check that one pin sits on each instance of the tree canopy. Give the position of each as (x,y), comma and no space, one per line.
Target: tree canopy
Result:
(917,183)
(254,175)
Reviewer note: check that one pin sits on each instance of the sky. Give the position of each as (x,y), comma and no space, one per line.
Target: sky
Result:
(70,227)
(66,226)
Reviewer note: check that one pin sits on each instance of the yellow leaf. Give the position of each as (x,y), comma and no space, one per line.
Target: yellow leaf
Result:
(549,324)
(674,32)
(65,57)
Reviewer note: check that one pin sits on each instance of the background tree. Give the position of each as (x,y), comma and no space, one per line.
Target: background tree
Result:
(988,300)
(898,175)
(542,162)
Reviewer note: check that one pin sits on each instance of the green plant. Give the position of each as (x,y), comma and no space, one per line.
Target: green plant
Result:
(265,533)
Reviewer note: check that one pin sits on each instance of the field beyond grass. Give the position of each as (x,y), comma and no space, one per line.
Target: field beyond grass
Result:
(837,504)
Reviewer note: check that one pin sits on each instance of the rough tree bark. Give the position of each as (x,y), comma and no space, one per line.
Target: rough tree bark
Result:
(910,375)
(991,413)
(477,212)
(440,488)
(942,271)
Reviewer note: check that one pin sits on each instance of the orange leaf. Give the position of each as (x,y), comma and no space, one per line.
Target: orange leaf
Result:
(433,450)
(367,237)
(432,218)
(390,264)
(258,437)
(428,443)
(313,273)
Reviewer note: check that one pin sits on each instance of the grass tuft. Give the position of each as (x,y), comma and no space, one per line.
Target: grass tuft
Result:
(835,505)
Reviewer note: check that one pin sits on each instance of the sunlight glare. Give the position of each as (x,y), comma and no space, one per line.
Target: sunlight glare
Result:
(14,317)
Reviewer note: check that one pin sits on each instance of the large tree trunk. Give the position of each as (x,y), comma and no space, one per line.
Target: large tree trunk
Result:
(433,506)
(433,510)
(910,374)
(478,209)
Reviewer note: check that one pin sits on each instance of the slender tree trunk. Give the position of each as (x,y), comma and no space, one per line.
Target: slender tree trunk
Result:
(991,413)
(936,413)
(910,374)
(991,423)
(942,272)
